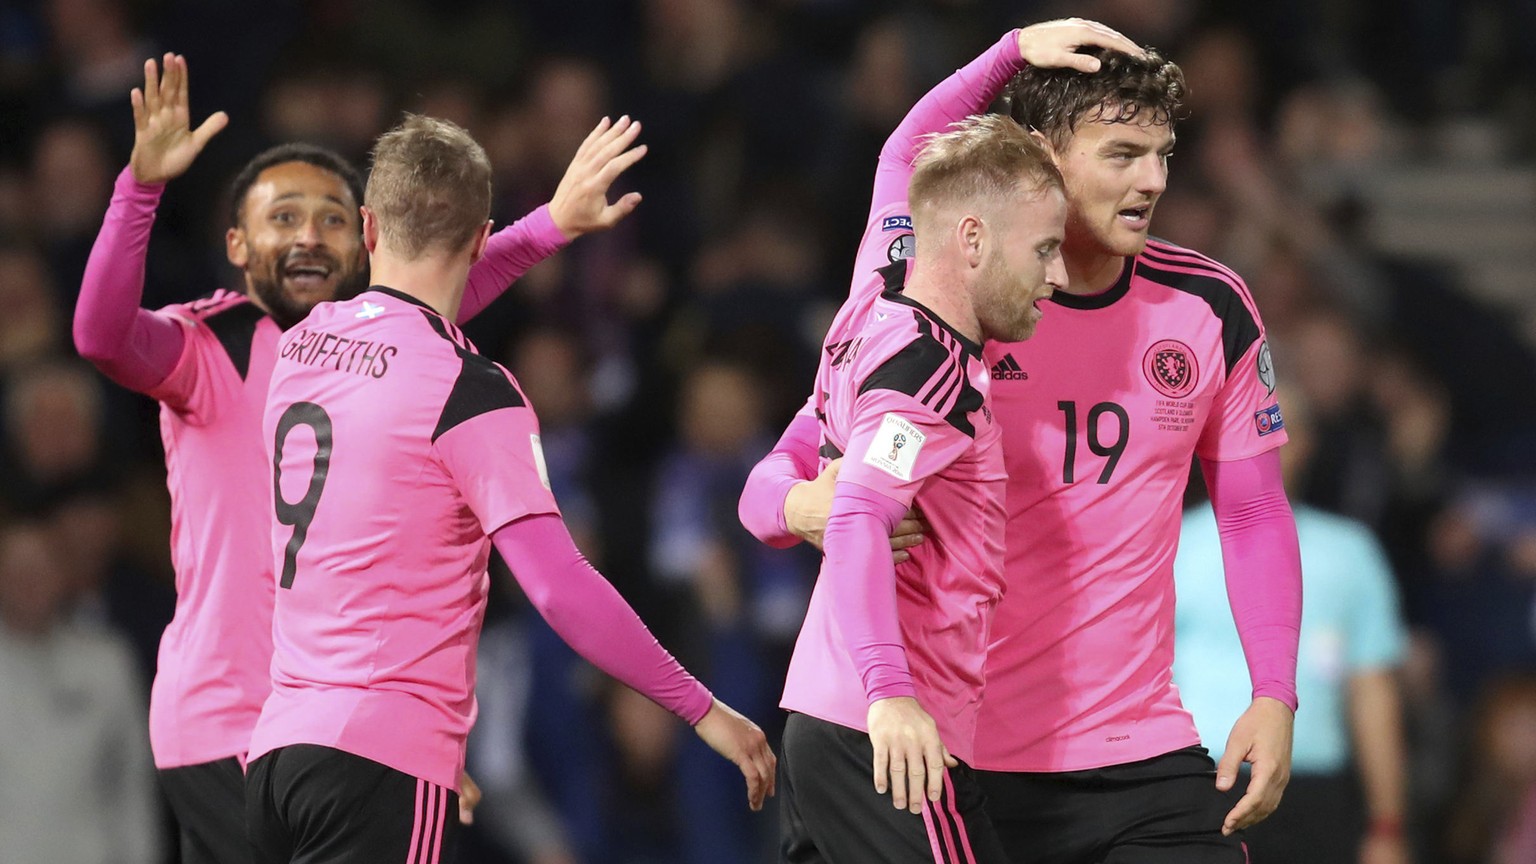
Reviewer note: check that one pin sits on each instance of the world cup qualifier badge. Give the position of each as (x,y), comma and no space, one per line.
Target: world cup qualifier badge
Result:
(1171,368)
(895,447)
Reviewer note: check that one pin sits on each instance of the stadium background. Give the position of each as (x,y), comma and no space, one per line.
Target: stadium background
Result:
(1369,167)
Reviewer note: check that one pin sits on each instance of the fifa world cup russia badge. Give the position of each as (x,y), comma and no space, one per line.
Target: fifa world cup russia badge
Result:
(897,443)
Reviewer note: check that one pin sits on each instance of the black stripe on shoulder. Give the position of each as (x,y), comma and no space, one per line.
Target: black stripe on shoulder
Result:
(235,328)
(909,369)
(915,365)
(1239,329)
(894,275)
(829,451)
(480,389)
(968,401)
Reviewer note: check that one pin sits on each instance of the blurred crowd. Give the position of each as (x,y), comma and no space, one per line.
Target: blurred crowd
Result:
(664,356)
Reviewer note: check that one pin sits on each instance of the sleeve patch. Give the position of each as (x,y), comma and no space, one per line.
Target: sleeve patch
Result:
(1268,420)
(1265,366)
(895,447)
(538,460)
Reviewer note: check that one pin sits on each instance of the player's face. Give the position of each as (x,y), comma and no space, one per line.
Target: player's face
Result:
(1115,173)
(299,240)
(1024,266)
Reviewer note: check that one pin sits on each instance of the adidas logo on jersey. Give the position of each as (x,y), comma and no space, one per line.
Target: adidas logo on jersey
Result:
(1008,369)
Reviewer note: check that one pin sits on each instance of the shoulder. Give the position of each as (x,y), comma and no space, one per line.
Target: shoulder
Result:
(229,317)
(1222,292)
(217,304)
(480,384)
(907,352)
(901,351)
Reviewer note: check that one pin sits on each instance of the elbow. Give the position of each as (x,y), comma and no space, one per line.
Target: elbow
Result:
(90,347)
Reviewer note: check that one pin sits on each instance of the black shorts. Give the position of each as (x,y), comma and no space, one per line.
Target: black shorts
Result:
(209,802)
(831,812)
(308,804)
(1164,810)
(1321,821)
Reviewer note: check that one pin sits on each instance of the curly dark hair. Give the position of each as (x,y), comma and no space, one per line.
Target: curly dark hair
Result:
(320,157)
(1054,101)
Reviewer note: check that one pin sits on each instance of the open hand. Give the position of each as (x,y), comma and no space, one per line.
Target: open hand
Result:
(741,741)
(1054,44)
(580,205)
(164,142)
(908,752)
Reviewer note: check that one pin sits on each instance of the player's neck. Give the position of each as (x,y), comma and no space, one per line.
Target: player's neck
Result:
(436,280)
(946,298)
(1091,272)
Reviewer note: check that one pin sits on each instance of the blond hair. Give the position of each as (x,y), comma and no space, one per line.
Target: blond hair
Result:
(982,156)
(430,186)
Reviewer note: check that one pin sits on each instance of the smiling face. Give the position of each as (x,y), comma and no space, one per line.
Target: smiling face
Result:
(299,241)
(1115,173)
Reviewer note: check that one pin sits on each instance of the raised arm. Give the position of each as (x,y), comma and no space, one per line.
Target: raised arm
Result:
(580,206)
(585,610)
(1051,44)
(133,346)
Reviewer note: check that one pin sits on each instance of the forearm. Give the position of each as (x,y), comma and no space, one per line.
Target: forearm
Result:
(1262,560)
(1376,725)
(792,460)
(970,90)
(510,253)
(132,346)
(585,610)
(862,583)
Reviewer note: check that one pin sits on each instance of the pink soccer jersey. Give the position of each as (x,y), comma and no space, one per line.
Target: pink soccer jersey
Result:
(903,399)
(1102,412)
(211,674)
(380,422)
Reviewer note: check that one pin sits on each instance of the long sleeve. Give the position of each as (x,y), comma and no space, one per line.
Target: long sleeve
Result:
(791,461)
(510,253)
(862,580)
(1262,559)
(592,618)
(968,91)
(135,347)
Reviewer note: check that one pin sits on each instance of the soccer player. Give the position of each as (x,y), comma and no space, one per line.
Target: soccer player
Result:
(296,236)
(1152,355)
(399,455)
(887,671)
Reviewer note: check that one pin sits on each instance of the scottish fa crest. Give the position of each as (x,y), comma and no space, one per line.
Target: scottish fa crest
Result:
(1171,368)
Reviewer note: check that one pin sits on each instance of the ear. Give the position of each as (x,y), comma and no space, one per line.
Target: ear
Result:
(1046,143)
(971,233)
(370,230)
(477,247)
(235,248)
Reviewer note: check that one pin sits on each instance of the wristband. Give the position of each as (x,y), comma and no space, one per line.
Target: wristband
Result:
(1385,826)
